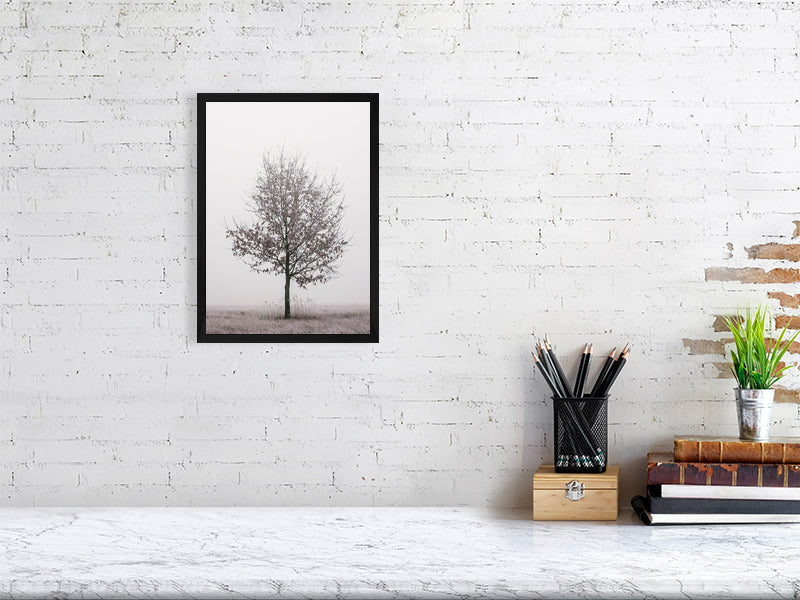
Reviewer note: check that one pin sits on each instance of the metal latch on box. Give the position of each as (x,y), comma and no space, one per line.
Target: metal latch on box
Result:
(573,490)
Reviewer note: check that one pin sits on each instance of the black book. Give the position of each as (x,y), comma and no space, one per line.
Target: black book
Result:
(641,505)
(706,506)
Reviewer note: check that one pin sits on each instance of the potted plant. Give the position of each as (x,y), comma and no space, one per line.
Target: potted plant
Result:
(755,366)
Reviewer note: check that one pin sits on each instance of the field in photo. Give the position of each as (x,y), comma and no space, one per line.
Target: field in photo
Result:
(307,318)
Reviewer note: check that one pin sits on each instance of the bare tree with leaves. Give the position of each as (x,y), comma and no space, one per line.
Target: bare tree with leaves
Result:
(297,227)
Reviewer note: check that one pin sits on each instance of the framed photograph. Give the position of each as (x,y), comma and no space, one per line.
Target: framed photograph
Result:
(287,222)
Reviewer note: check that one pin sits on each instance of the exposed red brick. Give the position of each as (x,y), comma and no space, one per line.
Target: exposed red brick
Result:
(723,370)
(705,346)
(796,233)
(775,252)
(752,275)
(786,300)
(794,347)
(719,322)
(788,321)
(783,395)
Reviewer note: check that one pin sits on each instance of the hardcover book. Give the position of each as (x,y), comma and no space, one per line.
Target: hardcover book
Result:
(640,505)
(721,506)
(662,468)
(690,448)
(740,492)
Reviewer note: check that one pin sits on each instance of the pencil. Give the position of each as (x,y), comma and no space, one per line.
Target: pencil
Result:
(545,374)
(540,353)
(568,452)
(614,373)
(559,370)
(608,374)
(579,373)
(582,431)
(577,455)
(577,445)
(583,370)
(547,359)
(601,376)
(570,440)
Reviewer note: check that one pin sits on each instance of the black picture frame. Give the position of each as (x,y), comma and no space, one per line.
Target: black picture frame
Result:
(305,100)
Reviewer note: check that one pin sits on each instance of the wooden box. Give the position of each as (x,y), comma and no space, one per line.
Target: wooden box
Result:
(575,496)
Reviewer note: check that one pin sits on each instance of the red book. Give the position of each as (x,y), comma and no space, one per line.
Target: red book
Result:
(663,469)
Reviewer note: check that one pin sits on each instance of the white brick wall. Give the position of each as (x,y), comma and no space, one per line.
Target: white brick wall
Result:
(563,167)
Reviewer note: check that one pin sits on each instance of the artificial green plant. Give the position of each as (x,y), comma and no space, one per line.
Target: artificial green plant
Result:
(755,363)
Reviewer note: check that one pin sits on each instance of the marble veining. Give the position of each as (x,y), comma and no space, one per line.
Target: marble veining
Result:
(383,553)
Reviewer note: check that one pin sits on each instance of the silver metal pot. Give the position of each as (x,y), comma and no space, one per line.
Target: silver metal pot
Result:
(754,408)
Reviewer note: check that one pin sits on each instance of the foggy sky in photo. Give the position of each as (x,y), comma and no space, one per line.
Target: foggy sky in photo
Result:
(334,137)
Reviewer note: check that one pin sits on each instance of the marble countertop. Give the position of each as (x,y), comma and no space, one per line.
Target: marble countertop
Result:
(383,553)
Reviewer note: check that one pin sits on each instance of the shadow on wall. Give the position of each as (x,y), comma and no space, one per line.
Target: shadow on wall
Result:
(517,491)
(189,184)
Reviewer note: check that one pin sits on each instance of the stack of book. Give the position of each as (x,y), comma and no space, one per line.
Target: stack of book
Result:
(722,480)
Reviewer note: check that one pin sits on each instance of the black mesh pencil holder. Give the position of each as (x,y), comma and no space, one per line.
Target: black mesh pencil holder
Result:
(581,435)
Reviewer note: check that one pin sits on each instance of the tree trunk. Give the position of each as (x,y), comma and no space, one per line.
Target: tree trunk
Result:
(287,311)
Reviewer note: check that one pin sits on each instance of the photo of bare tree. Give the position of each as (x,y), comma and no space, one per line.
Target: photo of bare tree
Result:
(287,210)
(297,228)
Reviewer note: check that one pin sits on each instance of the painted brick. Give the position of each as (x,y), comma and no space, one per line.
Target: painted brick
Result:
(599,173)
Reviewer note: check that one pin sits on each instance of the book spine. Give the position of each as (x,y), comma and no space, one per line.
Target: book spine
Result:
(639,505)
(718,451)
(730,474)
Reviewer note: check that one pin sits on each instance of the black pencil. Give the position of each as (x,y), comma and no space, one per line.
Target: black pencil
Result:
(545,374)
(582,439)
(583,370)
(602,375)
(564,460)
(614,373)
(547,363)
(576,440)
(559,370)
(577,455)
(581,364)
(570,451)
(604,386)
(582,431)
(540,355)
(547,360)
